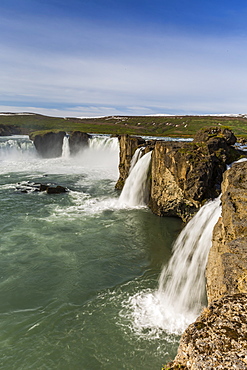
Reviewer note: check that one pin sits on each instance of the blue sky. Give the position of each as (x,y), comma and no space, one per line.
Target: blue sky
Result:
(111,57)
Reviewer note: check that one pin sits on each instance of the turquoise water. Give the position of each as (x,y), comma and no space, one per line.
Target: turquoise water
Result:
(71,264)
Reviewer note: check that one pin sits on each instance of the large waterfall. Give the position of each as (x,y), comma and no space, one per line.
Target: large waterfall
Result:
(180,295)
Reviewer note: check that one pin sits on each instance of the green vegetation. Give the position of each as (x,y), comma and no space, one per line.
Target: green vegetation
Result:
(175,126)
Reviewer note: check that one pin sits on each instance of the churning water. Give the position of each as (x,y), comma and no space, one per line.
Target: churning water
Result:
(79,270)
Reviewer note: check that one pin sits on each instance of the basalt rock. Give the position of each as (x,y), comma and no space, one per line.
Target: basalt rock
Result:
(186,174)
(78,141)
(33,187)
(49,144)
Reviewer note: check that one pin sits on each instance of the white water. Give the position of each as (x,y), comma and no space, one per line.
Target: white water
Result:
(137,155)
(65,148)
(135,190)
(103,142)
(181,290)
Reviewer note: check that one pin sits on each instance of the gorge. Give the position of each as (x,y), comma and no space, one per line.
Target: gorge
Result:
(181,178)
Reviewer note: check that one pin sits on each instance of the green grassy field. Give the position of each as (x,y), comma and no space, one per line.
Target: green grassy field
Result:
(174,126)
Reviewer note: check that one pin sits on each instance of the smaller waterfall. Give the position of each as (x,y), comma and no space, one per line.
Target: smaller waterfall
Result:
(136,187)
(65,147)
(137,155)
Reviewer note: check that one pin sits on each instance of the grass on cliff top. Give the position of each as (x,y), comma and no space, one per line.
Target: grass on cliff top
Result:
(175,126)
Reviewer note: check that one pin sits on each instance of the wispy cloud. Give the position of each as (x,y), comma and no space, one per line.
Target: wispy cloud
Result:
(95,71)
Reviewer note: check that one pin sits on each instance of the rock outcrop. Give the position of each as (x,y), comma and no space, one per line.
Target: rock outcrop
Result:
(218,338)
(78,141)
(183,174)
(49,144)
(186,174)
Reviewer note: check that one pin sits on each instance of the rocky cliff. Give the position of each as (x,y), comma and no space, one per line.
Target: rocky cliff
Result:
(183,174)
(218,338)
(227,262)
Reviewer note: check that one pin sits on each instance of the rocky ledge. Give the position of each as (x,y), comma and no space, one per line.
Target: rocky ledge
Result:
(218,338)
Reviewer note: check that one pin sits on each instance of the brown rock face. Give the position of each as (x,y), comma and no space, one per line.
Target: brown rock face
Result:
(227,262)
(218,338)
(186,174)
(49,145)
(78,141)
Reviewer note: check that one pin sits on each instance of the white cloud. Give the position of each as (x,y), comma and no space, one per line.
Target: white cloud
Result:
(150,73)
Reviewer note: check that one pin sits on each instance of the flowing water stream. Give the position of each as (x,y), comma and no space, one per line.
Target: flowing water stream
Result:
(79,271)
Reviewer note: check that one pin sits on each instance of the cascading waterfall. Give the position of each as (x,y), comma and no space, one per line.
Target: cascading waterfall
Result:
(65,147)
(136,187)
(181,290)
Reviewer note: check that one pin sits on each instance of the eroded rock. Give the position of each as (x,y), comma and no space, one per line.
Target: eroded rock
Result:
(218,338)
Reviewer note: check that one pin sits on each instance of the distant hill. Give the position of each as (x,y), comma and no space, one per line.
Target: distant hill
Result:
(173,126)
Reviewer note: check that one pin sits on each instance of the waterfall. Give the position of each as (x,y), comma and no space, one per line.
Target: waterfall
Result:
(16,147)
(136,190)
(65,147)
(103,142)
(179,297)
(182,282)
(137,155)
